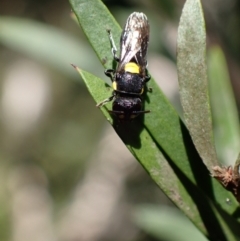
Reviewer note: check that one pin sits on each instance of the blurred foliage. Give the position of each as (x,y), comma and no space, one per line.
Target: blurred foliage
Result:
(148,218)
(69,127)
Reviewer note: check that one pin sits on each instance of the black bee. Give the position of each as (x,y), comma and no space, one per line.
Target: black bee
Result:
(131,75)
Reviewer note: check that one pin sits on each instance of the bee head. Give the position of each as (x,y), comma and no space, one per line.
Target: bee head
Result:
(127,108)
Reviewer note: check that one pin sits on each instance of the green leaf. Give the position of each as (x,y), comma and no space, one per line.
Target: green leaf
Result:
(159,140)
(224,109)
(95,20)
(47,44)
(192,74)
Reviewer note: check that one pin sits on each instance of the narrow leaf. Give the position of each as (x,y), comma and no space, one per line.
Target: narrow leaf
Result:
(47,44)
(192,74)
(224,109)
(95,20)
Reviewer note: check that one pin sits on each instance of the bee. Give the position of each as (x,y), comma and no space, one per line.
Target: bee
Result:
(131,75)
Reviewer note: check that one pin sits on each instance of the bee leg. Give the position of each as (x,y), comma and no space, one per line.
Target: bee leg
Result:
(149,89)
(109,73)
(105,101)
(148,77)
(114,48)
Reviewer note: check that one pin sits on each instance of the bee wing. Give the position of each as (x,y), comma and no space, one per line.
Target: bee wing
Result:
(134,40)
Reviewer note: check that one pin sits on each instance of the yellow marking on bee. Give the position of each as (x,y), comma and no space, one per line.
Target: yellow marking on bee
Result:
(132,68)
(114,85)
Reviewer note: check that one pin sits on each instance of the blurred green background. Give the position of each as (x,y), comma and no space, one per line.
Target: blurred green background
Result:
(64,173)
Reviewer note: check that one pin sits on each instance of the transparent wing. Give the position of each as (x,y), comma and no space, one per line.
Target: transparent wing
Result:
(134,40)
